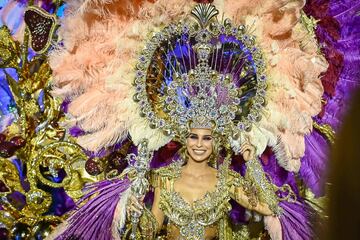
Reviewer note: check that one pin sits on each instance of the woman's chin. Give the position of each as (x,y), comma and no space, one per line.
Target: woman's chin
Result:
(199,159)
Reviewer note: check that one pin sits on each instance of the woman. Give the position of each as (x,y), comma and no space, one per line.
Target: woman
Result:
(191,198)
(182,196)
(207,80)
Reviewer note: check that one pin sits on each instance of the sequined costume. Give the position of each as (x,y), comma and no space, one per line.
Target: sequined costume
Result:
(195,220)
(208,217)
(205,218)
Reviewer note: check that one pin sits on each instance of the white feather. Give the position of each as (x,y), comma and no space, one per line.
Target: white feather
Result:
(120,214)
(273,226)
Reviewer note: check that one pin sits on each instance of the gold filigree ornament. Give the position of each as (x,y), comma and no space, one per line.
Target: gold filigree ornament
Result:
(37,201)
(10,176)
(326,130)
(43,149)
(9,49)
(15,216)
(56,156)
(310,23)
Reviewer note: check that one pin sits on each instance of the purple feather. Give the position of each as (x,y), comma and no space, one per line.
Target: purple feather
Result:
(76,131)
(297,221)
(279,176)
(346,12)
(94,219)
(339,35)
(313,166)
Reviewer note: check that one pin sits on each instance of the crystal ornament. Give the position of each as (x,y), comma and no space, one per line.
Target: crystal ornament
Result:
(201,73)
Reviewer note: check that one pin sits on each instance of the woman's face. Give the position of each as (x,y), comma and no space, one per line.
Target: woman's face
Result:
(199,144)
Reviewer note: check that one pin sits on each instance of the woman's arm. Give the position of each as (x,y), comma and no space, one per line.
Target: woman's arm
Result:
(250,201)
(150,221)
(159,215)
(248,192)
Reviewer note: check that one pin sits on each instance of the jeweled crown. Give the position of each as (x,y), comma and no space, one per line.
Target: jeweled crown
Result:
(201,74)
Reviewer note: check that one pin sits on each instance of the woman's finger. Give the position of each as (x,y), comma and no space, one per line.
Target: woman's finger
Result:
(245,147)
(136,202)
(138,205)
(246,156)
(247,151)
(134,209)
(130,209)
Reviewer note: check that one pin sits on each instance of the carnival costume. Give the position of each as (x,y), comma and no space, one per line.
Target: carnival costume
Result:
(201,72)
(142,73)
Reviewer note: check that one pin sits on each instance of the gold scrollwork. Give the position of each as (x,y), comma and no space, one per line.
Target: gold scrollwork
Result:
(58,155)
(326,130)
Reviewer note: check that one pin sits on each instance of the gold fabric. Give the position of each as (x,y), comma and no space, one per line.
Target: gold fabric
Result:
(206,218)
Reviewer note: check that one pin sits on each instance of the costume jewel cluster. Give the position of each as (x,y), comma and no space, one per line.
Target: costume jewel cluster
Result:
(201,74)
(202,87)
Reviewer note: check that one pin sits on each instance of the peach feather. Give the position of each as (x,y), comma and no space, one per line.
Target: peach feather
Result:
(103,38)
(118,46)
(78,70)
(273,226)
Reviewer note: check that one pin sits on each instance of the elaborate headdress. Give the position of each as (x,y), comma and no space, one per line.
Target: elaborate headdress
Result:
(100,86)
(203,73)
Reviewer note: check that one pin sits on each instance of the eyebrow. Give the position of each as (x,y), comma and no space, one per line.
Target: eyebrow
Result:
(198,135)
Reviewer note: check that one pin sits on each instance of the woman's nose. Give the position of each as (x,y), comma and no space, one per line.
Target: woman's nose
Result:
(199,142)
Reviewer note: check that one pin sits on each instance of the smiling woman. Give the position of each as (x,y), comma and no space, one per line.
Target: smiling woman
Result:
(193,202)
(191,198)
(199,144)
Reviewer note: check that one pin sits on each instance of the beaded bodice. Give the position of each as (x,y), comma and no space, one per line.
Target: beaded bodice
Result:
(192,219)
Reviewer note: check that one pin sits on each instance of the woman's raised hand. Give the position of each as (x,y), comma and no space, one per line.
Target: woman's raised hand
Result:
(247,150)
(134,205)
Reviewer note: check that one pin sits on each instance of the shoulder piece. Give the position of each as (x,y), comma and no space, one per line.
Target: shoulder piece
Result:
(234,178)
(165,173)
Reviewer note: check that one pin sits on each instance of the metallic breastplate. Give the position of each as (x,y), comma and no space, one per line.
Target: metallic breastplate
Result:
(192,219)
